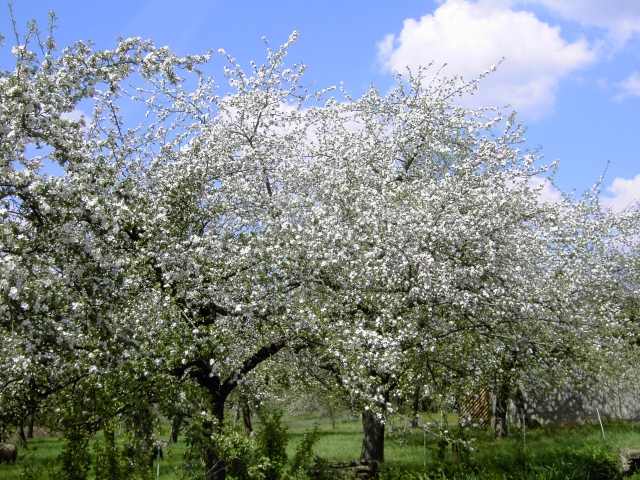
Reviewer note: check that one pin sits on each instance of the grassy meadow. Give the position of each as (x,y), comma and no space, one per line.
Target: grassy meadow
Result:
(577,452)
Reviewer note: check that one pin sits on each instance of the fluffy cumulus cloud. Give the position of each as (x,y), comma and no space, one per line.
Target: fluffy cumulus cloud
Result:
(471,36)
(623,193)
(630,86)
(547,191)
(621,18)
(75,115)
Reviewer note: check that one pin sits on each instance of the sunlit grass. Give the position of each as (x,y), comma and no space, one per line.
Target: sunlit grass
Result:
(540,453)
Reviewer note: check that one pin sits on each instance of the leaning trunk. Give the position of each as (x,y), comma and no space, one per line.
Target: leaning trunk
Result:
(373,438)
(215,469)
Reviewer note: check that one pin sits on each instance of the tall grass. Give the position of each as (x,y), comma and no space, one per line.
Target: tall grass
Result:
(556,453)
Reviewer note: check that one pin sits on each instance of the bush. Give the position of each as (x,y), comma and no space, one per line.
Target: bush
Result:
(596,464)
(272,439)
(47,471)
(264,457)
(108,460)
(75,458)
(240,455)
(135,460)
(303,459)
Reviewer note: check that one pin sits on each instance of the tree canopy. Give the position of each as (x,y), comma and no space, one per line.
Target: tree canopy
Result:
(196,231)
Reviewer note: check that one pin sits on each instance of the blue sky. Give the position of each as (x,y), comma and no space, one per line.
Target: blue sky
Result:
(571,67)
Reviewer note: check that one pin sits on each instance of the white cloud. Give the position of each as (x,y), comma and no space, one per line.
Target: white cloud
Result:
(547,191)
(624,193)
(629,87)
(621,18)
(75,115)
(470,37)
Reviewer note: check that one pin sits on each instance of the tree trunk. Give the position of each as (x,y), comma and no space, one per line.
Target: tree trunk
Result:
(219,390)
(415,419)
(23,436)
(110,466)
(246,415)
(373,438)
(332,414)
(32,419)
(215,468)
(500,425)
(176,425)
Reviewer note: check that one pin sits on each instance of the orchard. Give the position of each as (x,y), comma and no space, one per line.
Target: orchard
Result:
(217,244)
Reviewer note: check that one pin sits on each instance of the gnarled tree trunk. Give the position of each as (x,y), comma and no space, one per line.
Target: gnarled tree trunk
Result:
(219,390)
(215,468)
(373,438)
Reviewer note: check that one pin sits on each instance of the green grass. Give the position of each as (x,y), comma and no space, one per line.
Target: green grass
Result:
(547,453)
(43,452)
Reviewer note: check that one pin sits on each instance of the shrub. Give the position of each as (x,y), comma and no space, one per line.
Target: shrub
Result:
(75,458)
(108,459)
(47,471)
(597,464)
(272,442)
(303,459)
(239,453)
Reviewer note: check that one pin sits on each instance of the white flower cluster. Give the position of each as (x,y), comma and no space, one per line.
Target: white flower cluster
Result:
(396,235)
